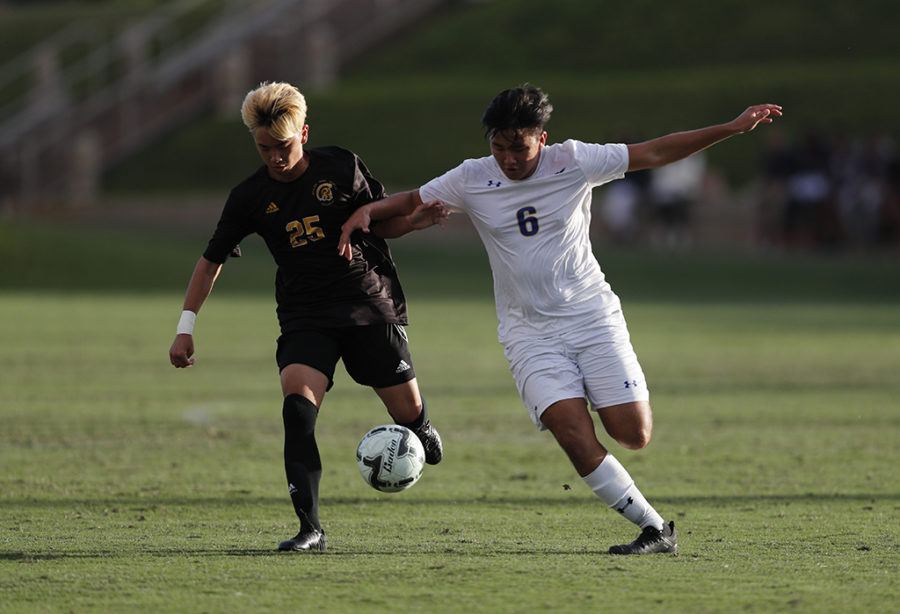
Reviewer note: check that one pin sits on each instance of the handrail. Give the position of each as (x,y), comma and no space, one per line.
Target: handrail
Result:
(158,72)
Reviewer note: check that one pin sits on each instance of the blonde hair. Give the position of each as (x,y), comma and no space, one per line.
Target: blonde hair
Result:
(278,107)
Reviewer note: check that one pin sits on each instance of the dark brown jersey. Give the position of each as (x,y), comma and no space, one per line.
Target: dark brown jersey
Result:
(301,223)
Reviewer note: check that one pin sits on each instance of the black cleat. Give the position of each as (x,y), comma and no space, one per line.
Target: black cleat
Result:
(651,540)
(313,541)
(431,441)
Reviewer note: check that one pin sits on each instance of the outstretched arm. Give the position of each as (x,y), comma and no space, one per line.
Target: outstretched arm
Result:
(673,147)
(204,276)
(424,215)
(402,213)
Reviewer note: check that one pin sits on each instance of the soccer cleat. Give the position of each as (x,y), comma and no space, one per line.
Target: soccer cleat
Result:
(651,540)
(313,541)
(431,442)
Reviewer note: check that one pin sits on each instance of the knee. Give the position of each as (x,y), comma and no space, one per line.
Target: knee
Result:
(636,439)
(299,414)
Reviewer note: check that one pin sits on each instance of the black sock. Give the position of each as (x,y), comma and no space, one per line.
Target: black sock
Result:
(419,421)
(301,459)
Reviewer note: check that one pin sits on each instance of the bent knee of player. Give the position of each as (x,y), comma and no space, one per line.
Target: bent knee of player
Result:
(636,438)
(631,425)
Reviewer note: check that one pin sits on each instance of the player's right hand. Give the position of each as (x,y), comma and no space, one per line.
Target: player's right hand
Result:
(360,220)
(181,354)
(428,214)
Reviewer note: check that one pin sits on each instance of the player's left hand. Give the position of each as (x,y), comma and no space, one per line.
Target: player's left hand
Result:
(428,214)
(360,220)
(755,115)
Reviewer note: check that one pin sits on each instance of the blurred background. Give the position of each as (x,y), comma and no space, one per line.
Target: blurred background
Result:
(759,279)
(126,112)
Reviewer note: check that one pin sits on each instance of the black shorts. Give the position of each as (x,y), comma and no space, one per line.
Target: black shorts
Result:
(376,355)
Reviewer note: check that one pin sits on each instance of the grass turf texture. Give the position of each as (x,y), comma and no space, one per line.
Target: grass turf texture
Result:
(130,485)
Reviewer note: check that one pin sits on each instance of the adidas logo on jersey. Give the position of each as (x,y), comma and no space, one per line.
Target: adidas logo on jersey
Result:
(272,208)
(402,367)
(291,488)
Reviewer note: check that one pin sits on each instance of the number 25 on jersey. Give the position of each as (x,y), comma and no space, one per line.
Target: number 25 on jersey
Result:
(305,230)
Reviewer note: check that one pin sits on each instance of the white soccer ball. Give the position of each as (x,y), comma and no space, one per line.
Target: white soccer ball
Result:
(390,458)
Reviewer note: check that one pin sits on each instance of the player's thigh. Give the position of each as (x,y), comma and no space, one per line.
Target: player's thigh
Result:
(608,363)
(544,374)
(306,361)
(403,401)
(377,355)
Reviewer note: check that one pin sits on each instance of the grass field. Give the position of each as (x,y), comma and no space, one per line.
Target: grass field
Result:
(128,485)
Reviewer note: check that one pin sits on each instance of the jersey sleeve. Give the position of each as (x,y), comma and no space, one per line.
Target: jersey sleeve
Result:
(601,163)
(448,188)
(366,188)
(233,226)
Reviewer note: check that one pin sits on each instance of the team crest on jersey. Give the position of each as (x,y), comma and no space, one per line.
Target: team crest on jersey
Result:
(324,192)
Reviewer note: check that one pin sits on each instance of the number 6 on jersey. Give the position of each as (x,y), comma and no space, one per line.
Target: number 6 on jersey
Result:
(528,224)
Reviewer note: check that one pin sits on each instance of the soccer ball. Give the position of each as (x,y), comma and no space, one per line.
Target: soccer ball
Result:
(390,458)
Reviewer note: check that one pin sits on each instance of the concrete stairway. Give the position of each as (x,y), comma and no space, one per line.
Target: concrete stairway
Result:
(75,121)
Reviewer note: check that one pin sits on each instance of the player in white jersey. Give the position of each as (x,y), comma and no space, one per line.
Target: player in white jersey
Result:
(561,325)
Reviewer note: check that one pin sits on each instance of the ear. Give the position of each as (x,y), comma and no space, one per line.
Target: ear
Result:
(304,134)
(543,139)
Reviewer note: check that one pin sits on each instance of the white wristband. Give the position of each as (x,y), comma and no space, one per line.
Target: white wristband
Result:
(186,323)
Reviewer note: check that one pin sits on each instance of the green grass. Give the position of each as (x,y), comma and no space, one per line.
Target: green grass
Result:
(128,485)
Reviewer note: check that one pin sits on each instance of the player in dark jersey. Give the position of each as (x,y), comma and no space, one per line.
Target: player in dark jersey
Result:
(328,308)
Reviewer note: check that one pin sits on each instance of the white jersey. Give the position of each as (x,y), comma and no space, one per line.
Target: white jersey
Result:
(536,233)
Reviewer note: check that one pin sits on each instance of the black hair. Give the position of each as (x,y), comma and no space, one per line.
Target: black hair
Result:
(525,107)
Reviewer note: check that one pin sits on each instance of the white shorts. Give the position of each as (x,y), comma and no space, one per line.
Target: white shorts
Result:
(596,362)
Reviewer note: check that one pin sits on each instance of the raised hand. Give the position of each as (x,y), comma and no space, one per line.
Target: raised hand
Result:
(755,115)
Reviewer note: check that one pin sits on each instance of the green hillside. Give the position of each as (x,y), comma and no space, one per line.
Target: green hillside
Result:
(412,109)
(599,37)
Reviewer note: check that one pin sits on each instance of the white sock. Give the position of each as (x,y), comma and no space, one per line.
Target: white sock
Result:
(612,483)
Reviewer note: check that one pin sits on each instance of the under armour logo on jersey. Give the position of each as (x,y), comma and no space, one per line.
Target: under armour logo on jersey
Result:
(631,384)
(493,184)
(403,366)
(560,171)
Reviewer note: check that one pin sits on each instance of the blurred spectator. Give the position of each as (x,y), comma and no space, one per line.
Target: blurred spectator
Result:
(673,189)
(809,215)
(829,191)
(862,169)
(889,220)
(622,204)
(777,164)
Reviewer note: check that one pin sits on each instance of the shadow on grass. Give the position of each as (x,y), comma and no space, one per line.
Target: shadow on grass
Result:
(459,551)
(144,504)
(34,557)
